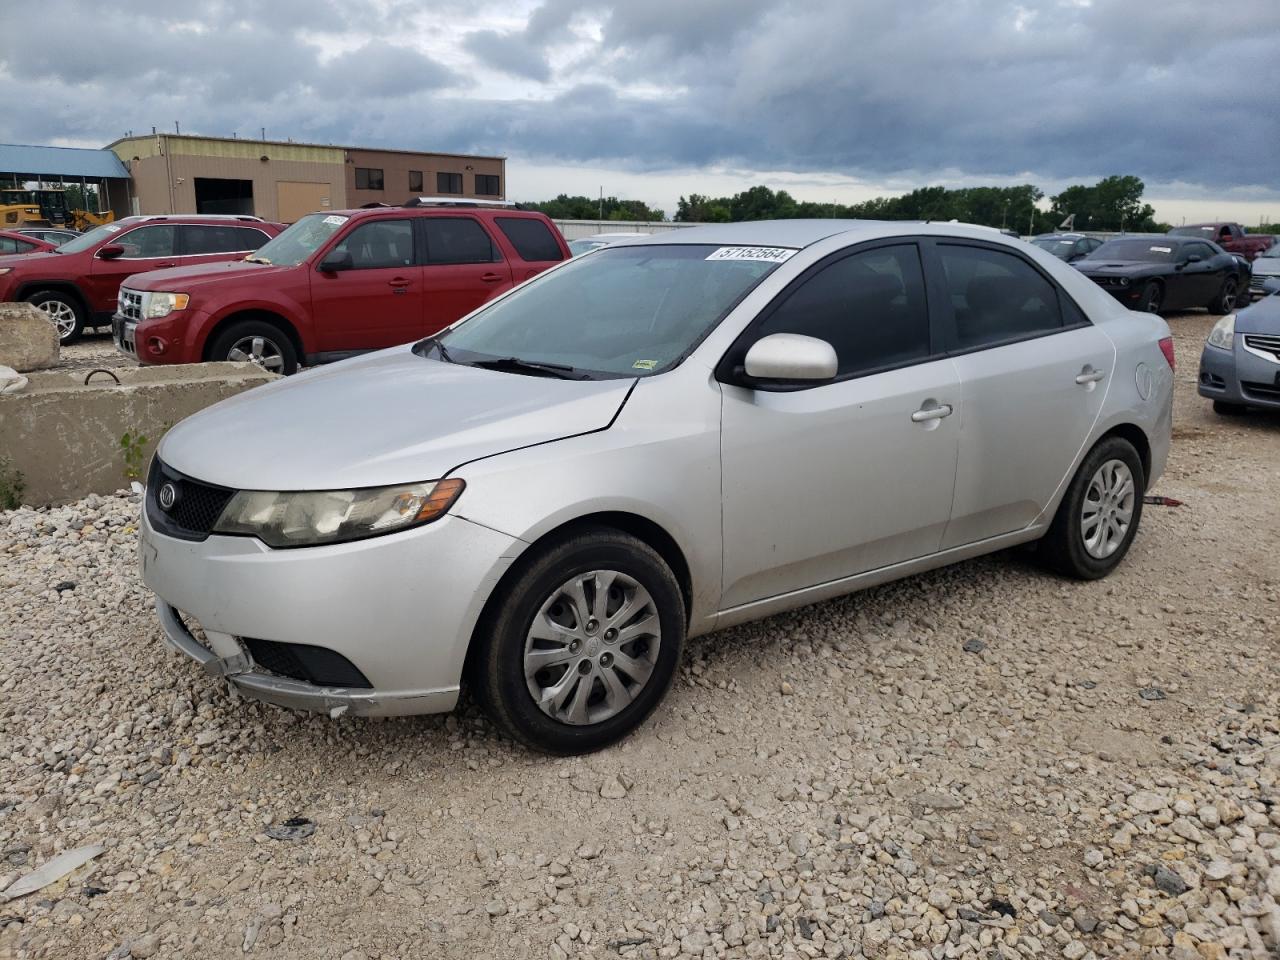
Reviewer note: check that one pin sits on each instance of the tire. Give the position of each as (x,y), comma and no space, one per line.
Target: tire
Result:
(258,341)
(536,596)
(1226,408)
(1225,301)
(64,311)
(1152,297)
(1065,548)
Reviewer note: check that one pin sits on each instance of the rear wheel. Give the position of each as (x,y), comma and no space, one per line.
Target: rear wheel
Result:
(1098,518)
(1151,298)
(582,645)
(64,312)
(257,342)
(1225,301)
(1226,408)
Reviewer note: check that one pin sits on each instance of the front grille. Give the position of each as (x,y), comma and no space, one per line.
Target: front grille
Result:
(1263,343)
(130,304)
(196,507)
(310,664)
(1261,391)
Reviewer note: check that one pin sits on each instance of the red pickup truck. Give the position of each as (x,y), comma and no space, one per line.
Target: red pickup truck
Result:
(1231,237)
(336,284)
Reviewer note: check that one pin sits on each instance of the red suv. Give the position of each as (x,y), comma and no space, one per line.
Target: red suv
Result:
(338,283)
(76,284)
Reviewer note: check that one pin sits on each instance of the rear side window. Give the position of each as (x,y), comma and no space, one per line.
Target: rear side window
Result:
(458,240)
(870,307)
(382,243)
(218,238)
(148,242)
(997,297)
(531,238)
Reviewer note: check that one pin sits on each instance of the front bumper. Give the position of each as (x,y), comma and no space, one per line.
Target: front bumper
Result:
(1238,376)
(123,332)
(401,608)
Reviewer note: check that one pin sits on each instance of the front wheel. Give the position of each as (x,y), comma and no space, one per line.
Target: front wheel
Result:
(64,312)
(256,342)
(1151,298)
(1225,300)
(582,645)
(1098,518)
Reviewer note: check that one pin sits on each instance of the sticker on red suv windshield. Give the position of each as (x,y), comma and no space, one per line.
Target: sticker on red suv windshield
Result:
(335,220)
(765,254)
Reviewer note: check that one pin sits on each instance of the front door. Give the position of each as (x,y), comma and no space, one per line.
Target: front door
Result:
(376,303)
(850,475)
(1033,375)
(150,247)
(1199,282)
(464,269)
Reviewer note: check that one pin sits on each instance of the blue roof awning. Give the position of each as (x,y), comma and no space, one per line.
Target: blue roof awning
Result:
(52,163)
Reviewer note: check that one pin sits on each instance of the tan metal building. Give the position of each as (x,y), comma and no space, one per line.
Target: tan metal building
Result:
(282,180)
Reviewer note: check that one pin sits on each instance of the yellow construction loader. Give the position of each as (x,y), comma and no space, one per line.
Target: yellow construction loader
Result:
(45,208)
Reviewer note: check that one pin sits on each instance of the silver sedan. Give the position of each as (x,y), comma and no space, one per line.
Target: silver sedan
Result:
(665,438)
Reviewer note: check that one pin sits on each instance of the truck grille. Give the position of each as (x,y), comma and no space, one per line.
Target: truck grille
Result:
(130,304)
(196,507)
(1262,343)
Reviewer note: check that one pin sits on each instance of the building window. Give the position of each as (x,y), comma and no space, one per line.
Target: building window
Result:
(368,178)
(449,182)
(487,185)
(415,181)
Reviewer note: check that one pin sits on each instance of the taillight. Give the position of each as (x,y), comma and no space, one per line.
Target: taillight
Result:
(1166,347)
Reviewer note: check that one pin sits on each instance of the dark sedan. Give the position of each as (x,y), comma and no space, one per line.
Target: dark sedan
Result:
(1157,273)
(1240,363)
(1067,246)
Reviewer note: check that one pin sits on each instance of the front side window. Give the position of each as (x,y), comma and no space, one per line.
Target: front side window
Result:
(382,243)
(448,183)
(458,240)
(629,311)
(8,245)
(487,185)
(996,297)
(870,307)
(531,238)
(148,242)
(415,181)
(368,178)
(1203,251)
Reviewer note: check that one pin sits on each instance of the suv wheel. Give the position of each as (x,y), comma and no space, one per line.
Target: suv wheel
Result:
(582,646)
(257,342)
(64,312)
(1098,518)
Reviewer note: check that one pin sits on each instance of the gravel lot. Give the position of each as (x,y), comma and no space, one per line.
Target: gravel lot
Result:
(985,761)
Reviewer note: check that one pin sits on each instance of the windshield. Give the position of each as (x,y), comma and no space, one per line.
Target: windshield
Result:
(87,241)
(626,311)
(1205,232)
(1147,251)
(301,240)
(1272,251)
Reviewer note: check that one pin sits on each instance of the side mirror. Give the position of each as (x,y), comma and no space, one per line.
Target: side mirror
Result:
(336,262)
(790,356)
(1194,258)
(111,251)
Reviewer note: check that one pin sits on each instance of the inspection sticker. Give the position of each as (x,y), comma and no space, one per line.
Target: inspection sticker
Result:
(1162,249)
(645,364)
(766,254)
(111,228)
(335,220)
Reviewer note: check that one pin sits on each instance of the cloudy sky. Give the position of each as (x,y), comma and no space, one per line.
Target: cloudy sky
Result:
(650,99)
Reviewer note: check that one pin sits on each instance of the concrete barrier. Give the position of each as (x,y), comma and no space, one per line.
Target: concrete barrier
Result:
(63,439)
(28,341)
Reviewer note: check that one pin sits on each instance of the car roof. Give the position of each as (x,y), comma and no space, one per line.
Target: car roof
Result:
(432,210)
(1060,236)
(804,233)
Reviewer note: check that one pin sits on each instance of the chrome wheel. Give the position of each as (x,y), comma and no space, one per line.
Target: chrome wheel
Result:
(1108,509)
(260,350)
(592,647)
(60,315)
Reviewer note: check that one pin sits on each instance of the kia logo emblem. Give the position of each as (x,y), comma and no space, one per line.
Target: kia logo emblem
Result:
(168,496)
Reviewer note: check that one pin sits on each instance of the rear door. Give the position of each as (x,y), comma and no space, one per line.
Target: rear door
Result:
(464,268)
(1033,374)
(535,245)
(378,302)
(148,247)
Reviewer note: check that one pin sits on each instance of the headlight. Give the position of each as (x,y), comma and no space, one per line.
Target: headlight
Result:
(311,518)
(156,305)
(1223,334)
(1123,281)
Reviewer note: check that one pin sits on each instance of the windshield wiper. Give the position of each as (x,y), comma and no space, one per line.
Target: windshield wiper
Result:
(516,365)
(440,348)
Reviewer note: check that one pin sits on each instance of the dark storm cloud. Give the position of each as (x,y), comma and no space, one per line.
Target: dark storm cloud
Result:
(1044,89)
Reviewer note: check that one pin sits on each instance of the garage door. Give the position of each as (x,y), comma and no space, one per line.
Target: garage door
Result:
(295,199)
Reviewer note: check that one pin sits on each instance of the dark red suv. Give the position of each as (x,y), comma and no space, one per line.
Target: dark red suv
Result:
(76,284)
(338,283)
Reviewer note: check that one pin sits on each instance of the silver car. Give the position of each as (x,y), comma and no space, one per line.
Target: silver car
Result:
(665,438)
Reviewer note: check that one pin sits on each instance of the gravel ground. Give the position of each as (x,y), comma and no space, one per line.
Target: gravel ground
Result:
(984,761)
(94,350)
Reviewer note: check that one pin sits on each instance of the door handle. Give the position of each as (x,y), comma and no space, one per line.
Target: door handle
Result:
(162,266)
(398,282)
(936,412)
(1090,375)
(491,277)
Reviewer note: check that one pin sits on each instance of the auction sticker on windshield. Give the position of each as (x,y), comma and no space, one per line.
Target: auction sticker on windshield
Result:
(335,220)
(765,254)
(1162,249)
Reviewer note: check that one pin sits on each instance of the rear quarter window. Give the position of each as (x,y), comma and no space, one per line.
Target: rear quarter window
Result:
(532,239)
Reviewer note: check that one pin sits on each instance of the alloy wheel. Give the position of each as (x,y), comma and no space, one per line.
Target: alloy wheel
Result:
(1107,513)
(592,647)
(1229,297)
(61,315)
(260,350)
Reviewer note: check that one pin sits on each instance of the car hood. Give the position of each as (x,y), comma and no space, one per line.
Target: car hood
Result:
(1261,317)
(1120,268)
(27,259)
(388,417)
(184,279)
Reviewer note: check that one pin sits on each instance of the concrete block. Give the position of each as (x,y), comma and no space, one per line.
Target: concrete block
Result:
(65,436)
(28,341)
